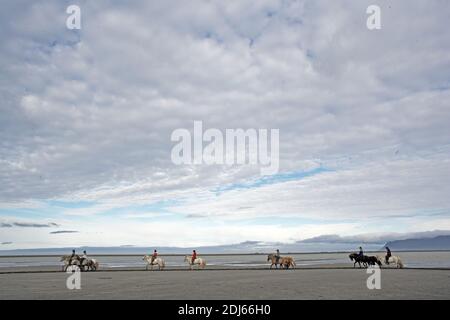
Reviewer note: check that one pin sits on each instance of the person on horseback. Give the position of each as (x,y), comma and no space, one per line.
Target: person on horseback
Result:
(84,257)
(194,256)
(72,257)
(154,256)
(361,253)
(277,256)
(388,254)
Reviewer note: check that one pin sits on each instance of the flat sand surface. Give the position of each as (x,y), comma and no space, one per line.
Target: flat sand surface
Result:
(230,284)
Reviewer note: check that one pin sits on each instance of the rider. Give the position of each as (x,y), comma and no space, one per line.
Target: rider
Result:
(277,256)
(388,254)
(194,256)
(84,257)
(72,257)
(154,255)
(361,252)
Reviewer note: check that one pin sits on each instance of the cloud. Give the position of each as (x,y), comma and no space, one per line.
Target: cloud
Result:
(86,116)
(6,243)
(63,231)
(29,225)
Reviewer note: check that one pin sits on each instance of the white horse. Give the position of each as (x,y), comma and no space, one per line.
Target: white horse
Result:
(68,260)
(158,261)
(90,264)
(393,260)
(199,261)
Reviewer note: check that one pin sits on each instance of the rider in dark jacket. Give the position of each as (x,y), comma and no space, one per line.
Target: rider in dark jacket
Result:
(72,257)
(388,254)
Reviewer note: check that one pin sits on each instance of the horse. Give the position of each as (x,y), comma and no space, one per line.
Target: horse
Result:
(201,262)
(91,264)
(158,261)
(358,259)
(285,262)
(372,260)
(395,260)
(70,261)
(288,262)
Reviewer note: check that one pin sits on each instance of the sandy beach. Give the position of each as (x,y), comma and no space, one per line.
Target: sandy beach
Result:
(229,284)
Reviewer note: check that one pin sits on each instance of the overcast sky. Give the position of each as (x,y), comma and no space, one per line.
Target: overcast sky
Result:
(86,118)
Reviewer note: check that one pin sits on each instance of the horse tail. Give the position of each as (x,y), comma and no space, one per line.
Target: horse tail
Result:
(400,263)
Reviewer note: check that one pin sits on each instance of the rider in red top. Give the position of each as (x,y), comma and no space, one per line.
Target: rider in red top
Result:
(154,255)
(194,256)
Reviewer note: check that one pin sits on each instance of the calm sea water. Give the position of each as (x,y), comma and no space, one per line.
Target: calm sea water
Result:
(410,259)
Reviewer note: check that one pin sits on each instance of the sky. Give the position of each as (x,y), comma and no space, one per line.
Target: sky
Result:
(86,118)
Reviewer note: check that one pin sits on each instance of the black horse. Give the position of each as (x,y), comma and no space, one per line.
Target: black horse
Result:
(365,260)
(371,261)
(358,259)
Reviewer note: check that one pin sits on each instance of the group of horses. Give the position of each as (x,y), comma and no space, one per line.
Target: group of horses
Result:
(158,261)
(283,262)
(367,261)
(83,264)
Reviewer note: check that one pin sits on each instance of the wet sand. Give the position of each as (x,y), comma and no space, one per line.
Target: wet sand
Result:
(229,284)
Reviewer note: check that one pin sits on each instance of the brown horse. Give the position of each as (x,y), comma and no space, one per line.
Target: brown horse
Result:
(284,262)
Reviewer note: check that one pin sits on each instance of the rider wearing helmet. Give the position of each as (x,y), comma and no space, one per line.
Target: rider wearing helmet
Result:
(83,258)
(388,254)
(277,256)
(361,252)
(154,256)
(194,256)
(72,257)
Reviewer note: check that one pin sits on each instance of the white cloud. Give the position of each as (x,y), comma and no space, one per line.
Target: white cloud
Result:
(87,116)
